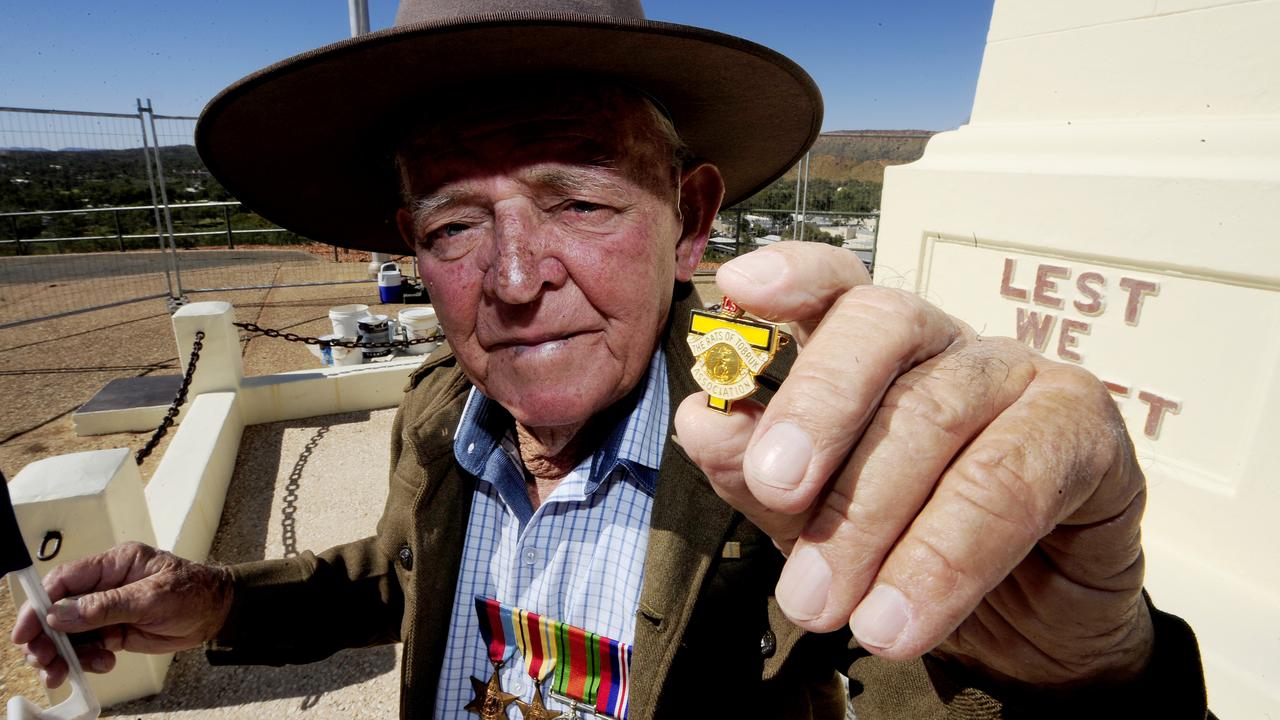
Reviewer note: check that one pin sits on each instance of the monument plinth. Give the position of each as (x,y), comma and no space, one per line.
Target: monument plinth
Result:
(1115,203)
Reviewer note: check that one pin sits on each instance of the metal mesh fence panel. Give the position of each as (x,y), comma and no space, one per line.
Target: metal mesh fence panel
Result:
(61,246)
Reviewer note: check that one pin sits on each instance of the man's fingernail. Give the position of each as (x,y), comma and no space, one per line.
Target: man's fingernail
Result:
(100,665)
(881,617)
(66,610)
(780,457)
(761,268)
(44,677)
(804,584)
(32,660)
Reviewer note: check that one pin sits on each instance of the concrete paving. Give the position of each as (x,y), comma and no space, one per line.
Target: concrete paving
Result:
(298,485)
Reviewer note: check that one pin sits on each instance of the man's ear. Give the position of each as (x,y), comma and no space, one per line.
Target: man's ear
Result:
(701,190)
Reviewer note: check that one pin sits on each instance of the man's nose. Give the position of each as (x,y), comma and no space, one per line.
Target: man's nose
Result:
(523,263)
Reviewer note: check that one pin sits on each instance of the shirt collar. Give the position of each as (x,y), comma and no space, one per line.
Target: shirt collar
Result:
(635,444)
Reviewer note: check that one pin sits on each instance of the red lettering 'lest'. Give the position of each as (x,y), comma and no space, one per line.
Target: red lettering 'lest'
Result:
(1138,290)
(1006,281)
(1045,276)
(1085,284)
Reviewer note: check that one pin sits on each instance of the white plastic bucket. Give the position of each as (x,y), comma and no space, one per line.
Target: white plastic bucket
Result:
(419,322)
(389,289)
(345,317)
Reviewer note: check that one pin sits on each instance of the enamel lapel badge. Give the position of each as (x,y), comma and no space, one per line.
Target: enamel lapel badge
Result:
(730,353)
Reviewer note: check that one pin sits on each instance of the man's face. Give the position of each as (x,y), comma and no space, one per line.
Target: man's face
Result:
(549,238)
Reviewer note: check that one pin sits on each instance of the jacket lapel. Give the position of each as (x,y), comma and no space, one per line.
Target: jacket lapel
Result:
(688,526)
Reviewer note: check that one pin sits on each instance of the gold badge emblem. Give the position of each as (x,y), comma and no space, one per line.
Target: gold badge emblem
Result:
(730,353)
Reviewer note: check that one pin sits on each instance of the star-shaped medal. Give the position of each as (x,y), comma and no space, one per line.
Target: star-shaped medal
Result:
(536,710)
(490,702)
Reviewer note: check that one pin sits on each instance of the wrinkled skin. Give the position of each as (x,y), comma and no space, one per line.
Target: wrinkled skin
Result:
(935,490)
(135,598)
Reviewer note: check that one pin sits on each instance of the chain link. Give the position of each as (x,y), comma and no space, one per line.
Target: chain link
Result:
(178,400)
(294,337)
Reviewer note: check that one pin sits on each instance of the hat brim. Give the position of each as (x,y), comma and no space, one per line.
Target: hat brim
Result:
(308,143)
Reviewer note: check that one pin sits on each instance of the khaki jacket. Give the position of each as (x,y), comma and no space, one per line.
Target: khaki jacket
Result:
(710,639)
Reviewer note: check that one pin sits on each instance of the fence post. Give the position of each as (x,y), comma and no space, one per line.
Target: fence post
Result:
(119,230)
(16,237)
(155,206)
(226,216)
(221,367)
(94,500)
(164,198)
(737,240)
(875,240)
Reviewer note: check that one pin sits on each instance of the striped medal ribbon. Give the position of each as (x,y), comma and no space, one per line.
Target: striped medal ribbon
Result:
(491,701)
(587,670)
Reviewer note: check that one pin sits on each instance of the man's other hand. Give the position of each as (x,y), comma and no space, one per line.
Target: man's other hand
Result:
(936,490)
(132,597)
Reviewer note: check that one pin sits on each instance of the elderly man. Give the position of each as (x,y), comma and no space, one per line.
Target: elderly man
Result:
(949,520)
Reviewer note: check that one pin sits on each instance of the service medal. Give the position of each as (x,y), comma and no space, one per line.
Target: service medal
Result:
(583,671)
(730,352)
(490,702)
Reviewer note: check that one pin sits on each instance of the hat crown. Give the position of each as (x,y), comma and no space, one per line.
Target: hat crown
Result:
(439,11)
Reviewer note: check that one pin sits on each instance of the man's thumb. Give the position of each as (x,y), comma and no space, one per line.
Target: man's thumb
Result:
(95,610)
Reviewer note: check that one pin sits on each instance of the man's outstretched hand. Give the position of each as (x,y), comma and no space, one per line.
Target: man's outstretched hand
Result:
(936,490)
(132,597)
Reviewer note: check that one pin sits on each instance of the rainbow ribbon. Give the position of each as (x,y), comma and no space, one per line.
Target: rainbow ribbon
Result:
(582,665)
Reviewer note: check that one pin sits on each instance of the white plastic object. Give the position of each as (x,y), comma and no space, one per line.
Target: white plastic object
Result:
(419,322)
(345,317)
(81,705)
(389,275)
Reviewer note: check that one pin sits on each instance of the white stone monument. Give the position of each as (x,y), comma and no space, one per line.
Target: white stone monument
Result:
(1114,202)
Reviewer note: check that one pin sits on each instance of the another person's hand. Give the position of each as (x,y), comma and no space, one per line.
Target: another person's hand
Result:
(934,489)
(132,597)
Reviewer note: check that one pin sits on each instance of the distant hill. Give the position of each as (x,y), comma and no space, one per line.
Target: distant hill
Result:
(863,154)
(846,170)
(846,173)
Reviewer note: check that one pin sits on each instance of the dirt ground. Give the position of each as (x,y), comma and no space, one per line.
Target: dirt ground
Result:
(50,368)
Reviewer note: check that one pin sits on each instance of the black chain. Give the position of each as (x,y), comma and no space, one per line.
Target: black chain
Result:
(178,400)
(294,337)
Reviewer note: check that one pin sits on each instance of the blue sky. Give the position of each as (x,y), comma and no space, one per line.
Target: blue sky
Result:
(881,64)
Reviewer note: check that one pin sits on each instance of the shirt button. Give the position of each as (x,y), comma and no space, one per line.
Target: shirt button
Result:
(768,644)
(405,555)
(530,556)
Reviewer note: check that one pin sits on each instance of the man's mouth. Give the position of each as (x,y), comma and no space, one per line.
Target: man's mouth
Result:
(545,343)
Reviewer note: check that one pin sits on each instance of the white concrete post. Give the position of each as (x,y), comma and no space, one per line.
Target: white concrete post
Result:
(220,368)
(1113,204)
(94,500)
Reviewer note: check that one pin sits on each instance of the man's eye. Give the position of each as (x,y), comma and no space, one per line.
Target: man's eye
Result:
(582,206)
(444,232)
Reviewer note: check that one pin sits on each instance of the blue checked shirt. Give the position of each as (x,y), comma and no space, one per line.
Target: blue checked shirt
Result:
(579,558)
